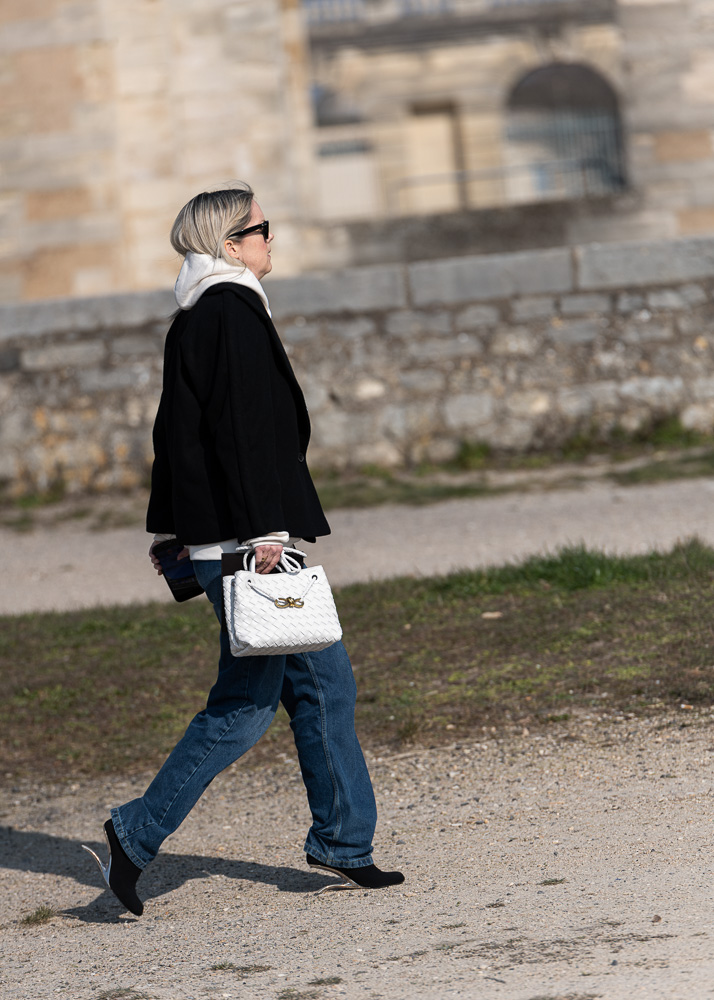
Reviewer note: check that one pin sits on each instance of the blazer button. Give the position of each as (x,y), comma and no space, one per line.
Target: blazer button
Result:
(301,457)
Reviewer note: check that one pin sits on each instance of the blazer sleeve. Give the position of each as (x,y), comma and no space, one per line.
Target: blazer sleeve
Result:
(231,360)
(160,516)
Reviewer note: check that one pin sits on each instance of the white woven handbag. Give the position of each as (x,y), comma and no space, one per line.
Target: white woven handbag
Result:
(292,611)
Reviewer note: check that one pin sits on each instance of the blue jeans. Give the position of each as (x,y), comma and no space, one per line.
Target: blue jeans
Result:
(318,692)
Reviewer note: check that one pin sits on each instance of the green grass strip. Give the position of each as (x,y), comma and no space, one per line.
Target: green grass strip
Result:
(111,690)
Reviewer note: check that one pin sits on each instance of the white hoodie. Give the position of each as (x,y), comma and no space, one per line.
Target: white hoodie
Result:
(200,271)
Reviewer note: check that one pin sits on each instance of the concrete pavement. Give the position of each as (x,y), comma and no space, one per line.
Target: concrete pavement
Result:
(65,566)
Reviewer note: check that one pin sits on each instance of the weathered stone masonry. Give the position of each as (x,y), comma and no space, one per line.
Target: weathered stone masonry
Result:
(398,363)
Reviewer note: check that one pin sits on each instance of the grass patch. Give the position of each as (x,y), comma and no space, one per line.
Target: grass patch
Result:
(39,916)
(664,450)
(245,970)
(326,981)
(576,630)
(122,993)
(370,487)
(668,467)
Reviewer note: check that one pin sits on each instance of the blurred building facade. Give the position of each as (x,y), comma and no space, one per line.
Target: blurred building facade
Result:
(373,130)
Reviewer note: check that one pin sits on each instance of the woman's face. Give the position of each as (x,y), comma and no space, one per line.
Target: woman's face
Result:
(253,250)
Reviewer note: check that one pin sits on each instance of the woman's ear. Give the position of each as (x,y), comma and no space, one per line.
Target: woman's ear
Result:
(232,250)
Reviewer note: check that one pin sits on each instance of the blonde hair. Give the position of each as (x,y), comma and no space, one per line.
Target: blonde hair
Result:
(206,221)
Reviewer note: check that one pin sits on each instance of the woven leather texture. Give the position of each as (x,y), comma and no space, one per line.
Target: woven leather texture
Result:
(257,627)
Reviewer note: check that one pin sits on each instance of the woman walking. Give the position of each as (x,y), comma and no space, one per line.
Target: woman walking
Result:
(230,439)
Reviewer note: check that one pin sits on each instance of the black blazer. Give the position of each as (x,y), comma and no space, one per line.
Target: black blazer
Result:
(232,428)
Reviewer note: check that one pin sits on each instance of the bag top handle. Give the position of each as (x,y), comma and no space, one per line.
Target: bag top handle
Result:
(290,560)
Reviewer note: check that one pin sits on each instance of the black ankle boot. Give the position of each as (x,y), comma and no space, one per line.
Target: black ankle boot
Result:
(368,877)
(119,873)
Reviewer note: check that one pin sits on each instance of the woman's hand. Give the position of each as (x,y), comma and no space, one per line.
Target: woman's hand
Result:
(267,557)
(183,554)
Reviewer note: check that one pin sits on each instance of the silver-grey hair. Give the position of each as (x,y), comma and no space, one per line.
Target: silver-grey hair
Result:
(205,223)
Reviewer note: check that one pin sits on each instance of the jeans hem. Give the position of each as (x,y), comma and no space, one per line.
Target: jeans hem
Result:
(330,859)
(121,837)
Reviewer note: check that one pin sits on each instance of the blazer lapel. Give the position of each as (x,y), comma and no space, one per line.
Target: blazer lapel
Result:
(252,299)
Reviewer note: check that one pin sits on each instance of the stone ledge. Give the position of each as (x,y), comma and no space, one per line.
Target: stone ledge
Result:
(619,265)
(359,289)
(105,312)
(498,276)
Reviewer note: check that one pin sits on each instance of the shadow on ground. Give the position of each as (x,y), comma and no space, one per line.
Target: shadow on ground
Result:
(50,855)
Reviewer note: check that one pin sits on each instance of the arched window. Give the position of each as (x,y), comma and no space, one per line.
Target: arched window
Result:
(563,135)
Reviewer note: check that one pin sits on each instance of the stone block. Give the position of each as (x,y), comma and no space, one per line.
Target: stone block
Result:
(683,146)
(442,449)
(366,389)
(646,331)
(517,340)
(576,331)
(33,319)
(666,298)
(378,452)
(497,276)
(408,420)
(463,345)
(579,305)
(351,329)
(9,468)
(425,380)
(702,389)
(528,404)
(629,302)
(9,360)
(474,317)
(575,402)
(466,412)
(532,307)
(582,400)
(51,358)
(603,394)
(695,324)
(316,394)
(510,433)
(698,417)
(358,289)
(615,265)
(693,295)
(133,345)
(408,323)
(111,380)
(300,332)
(693,221)
(17,429)
(658,391)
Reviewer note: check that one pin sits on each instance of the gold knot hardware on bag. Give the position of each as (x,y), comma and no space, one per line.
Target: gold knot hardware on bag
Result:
(288,602)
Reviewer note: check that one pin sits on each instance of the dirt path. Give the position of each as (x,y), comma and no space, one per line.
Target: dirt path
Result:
(561,867)
(576,865)
(63,565)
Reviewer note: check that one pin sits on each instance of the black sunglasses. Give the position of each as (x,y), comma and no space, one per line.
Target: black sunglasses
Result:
(263,228)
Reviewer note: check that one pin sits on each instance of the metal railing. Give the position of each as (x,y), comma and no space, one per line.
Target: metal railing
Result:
(341,11)
(538,181)
(344,11)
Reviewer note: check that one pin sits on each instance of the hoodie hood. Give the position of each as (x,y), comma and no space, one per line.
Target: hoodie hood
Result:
(200,271)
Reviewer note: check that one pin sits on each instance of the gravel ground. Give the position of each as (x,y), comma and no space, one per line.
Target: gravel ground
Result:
(566,866)
(572,865)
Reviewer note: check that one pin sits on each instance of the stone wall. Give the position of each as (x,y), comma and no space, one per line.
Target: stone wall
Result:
(399,363)
(114,114)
